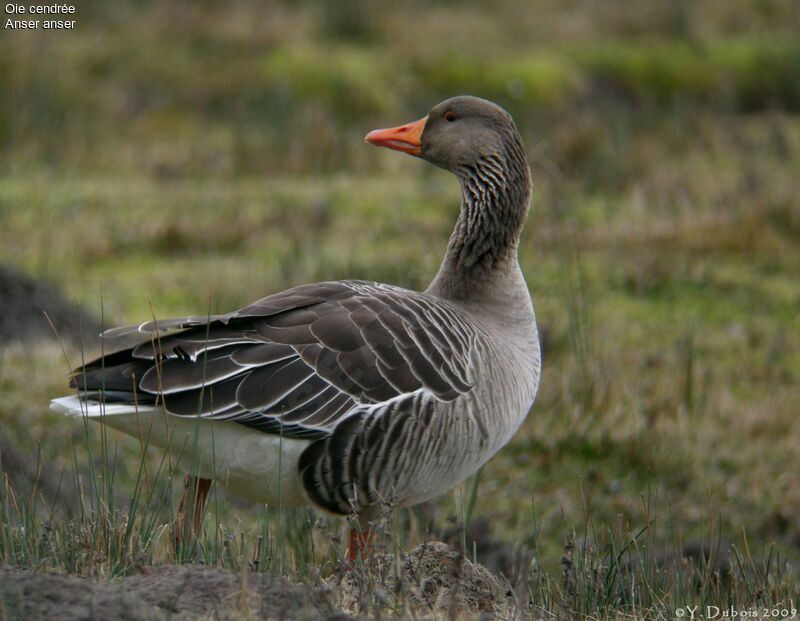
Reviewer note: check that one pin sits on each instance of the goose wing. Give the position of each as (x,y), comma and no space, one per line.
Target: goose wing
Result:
(296,362)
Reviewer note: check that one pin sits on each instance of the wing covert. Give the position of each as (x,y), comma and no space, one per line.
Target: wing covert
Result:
(296,362)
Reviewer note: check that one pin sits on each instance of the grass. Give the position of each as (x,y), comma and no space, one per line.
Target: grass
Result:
(634,567)
(171,166)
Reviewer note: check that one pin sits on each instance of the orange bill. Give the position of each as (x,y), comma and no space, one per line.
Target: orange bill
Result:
(406,138)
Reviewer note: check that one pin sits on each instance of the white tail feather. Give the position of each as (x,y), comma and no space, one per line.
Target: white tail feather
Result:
(75,406)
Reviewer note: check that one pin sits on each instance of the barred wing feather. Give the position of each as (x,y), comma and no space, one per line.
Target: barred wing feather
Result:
(297,362)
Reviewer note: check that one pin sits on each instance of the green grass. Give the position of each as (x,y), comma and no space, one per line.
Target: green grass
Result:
(169,166)
(652,385)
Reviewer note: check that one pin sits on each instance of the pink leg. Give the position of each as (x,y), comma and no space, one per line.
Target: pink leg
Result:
(359,544)
(197,489)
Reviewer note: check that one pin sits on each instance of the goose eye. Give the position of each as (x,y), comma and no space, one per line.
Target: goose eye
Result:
(449,117)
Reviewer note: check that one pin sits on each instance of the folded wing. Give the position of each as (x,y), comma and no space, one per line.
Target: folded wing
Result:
(297,362)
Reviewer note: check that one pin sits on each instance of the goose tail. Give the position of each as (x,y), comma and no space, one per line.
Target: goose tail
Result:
(80,406)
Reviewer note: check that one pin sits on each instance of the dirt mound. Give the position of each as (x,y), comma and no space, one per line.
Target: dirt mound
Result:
(23,303)
(165,592)
(25,594)
(435,581)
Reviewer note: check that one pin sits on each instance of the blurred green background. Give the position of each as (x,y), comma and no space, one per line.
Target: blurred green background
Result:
(171,157)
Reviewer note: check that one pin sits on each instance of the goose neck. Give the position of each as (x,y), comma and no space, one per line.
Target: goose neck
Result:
(481,256)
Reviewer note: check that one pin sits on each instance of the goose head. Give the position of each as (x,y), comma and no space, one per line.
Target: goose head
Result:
(457,134)
(478,142)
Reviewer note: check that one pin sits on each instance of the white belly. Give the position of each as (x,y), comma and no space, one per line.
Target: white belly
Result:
(255,465)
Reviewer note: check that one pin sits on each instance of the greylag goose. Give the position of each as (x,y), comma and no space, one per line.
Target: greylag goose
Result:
(349,395)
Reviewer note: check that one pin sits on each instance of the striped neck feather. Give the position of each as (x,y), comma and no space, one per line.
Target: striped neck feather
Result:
(483,246)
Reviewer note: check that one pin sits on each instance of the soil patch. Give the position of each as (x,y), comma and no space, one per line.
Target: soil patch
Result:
(164,592)
(432,581)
